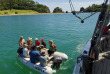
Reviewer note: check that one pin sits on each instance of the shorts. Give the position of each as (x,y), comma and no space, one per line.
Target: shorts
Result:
(50,52)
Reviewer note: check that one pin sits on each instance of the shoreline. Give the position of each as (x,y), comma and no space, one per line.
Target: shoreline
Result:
(33,14)
(41,14)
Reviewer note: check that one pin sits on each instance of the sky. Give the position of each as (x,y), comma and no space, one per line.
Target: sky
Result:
(64,4)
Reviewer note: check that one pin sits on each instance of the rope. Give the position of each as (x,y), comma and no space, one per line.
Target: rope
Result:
(71,5)
(74,12)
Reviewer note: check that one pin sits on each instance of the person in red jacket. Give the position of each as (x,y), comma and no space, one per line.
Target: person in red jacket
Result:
(37,42)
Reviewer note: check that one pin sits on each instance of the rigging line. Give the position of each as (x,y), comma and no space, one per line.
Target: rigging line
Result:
(99,21)
(71,6)
(89,15)
(72,9)
(74,13)
(78,17)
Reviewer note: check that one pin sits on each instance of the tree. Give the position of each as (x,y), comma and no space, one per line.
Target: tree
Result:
(81,9)
(11,3)
(23,5)
(66,11)
(93,8)
(41,8)
(57,10)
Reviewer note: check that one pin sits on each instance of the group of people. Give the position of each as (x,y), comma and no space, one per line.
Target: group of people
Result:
(38,52)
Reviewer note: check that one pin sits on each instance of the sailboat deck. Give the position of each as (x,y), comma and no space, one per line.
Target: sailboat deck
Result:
(102,66)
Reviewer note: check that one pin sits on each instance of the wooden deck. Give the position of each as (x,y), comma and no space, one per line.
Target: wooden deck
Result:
(102,66)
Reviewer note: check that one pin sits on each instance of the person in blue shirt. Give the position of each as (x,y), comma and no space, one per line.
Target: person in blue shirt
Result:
(34,55)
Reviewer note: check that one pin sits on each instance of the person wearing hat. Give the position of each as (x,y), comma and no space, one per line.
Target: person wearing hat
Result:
(34,55)
(43,58)
(21,41)
(37,42)
(25,51)
(52,48)
(43,43)
(44,49)
(29,43)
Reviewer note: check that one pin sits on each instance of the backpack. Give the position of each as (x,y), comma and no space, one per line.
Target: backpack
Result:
(55,47)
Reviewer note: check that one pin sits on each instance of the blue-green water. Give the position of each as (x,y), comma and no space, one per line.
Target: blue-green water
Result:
(65,30)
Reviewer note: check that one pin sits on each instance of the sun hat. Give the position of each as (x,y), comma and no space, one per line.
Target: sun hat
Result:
(21,36)
(29,38)
(36,38)
(43,52)
(51,41)
(42,39)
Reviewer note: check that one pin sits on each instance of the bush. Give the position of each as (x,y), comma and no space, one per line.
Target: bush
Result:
(16,12)
(57,10)
(5,12)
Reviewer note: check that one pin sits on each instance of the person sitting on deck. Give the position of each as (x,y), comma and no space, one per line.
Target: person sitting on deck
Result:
(43,58)
(52,48)
(25,51)
(29,43)
(21,41)
(34,55)
(43,43)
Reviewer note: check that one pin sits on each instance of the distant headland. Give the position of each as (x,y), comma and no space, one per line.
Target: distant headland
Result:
(30,7)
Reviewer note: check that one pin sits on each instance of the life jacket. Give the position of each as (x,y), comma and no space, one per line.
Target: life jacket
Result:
(55,47)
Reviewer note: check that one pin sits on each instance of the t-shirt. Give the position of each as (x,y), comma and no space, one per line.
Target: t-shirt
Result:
(43,60)
(37,43)
(25,51)
(44,43)
(34,56)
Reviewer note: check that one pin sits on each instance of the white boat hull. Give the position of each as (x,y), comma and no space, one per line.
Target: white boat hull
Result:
(38,68)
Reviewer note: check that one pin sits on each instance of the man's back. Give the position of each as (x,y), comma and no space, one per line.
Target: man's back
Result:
(43,60)
(44,43)
(21,42)
(34,56)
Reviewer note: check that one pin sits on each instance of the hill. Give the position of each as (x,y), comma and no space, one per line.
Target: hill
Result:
(23,5)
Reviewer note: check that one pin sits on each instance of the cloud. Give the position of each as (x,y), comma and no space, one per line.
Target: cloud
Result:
(66,7)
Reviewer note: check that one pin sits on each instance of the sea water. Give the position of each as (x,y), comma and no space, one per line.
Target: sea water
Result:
(67,32)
